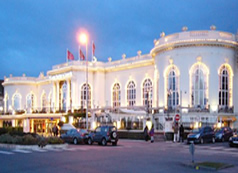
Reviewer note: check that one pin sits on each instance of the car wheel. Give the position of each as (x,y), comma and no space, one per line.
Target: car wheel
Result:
(213,140)
(201,141)
(114,134)
(104,142)
(75,141)
(90,142)
(223,139)
(114,143)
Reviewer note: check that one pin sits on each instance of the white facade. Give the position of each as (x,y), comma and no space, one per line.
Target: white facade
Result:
(181,75)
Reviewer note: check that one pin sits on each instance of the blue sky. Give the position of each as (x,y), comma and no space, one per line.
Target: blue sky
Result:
(34,34)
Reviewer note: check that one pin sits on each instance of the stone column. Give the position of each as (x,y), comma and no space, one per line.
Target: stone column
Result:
(57,96)
(68,98)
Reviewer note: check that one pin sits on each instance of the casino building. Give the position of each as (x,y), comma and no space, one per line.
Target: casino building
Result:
(190,73)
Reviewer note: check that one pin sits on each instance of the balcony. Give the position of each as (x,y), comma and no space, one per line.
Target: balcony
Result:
(204,109)
(225,109)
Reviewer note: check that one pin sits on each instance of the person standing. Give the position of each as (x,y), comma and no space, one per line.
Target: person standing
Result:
(181,133)
(146,133)
(176,132)
(152,132)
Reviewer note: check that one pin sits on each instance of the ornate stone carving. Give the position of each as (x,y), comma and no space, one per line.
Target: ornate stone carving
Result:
(110,59)
(139,52)
(162,34)
(185,28)
(213,27)
(123,56)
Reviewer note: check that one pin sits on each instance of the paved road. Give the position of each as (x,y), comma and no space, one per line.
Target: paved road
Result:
(128,156)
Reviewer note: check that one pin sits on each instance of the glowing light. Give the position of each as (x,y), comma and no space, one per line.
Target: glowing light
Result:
(83,38)
(63,119)
(149,124)
(94,125)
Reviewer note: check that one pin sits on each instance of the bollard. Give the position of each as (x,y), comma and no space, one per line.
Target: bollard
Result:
(192,150)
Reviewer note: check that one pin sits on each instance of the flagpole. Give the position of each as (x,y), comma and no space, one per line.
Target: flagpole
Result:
(92,52)
(79,54)
(67,55)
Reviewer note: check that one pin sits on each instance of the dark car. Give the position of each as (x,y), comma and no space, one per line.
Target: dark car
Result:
(233,141)
(223,134)
(75,136)
(201,135)
(103,135)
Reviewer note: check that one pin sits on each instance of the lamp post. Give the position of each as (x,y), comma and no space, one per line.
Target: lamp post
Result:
(84,40)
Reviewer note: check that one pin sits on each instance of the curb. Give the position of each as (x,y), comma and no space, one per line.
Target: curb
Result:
(32,147)
(197,167)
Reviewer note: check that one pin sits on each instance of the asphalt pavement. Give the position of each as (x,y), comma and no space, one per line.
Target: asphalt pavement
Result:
(128,156)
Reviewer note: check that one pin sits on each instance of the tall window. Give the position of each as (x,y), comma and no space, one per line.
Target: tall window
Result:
(199,87)
(116,95)
(30,101)
(147,93)
(64,95)
(43,101)
(172,89)
(83,96)
(224,87)
(17,102)
(131,94)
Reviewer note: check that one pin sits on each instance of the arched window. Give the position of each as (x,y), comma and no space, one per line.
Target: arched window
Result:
(224,87)
(172,89)
(6,104)
(64,95)
(131,94)
(30,101)
(147,93)
(83,96)
(17,102)
(199,91)
(43,101)
(116,95)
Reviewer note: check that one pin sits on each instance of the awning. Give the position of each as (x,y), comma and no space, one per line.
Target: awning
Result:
(128,111)
(226,118)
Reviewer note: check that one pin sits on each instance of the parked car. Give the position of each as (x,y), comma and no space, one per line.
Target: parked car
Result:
(103,135)
(75,136)
(201,135)
(223,134)
(233,141)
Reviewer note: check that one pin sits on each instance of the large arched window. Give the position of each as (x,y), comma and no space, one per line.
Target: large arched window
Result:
(199,92)
(17,102)
(83,96)
(172,89)
(116,95)
(30,101)
(64,95)
(131,94)
(147,93)
(43,102)
(225,91)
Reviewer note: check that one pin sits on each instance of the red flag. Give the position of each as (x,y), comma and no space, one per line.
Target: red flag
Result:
(82,57)
(70,56)
(93,49)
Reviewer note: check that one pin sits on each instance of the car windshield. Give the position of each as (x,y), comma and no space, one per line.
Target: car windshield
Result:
(219,130)
(197,130)
(83,131)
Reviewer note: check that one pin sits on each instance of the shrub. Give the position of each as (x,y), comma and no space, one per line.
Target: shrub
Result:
(6,138)
(54,140)
(29,140)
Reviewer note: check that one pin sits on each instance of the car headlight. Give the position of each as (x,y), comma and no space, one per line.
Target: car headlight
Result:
(230,138)
(197,136)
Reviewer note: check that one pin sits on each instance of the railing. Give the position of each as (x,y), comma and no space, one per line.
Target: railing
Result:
(225,109)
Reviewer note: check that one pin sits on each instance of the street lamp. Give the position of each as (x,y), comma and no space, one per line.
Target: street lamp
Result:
(83,38)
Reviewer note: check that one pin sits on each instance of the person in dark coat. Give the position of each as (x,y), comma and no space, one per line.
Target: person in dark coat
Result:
(152,132)
(181,133)
(146,136)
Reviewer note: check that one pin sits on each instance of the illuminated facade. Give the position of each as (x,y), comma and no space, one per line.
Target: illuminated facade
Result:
(191,73)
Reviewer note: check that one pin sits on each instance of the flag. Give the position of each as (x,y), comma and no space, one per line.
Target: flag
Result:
(70,56)
(81,55)
(93,48)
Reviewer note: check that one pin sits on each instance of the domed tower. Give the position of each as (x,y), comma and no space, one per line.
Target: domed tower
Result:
(197,73)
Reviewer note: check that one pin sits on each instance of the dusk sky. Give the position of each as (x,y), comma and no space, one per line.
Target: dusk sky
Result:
(34,34)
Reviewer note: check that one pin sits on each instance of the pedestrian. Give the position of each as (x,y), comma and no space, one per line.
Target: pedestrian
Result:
(54,130)
(57,131)
(176,132)
(181,133)
(152,132)
(146,136)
